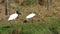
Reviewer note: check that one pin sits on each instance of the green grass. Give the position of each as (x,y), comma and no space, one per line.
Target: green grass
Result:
(34,28)
(31,1)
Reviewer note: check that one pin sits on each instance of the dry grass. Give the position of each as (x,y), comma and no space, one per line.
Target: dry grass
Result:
(41,11)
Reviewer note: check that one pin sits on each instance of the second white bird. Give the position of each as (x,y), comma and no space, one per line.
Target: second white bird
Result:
(30,16)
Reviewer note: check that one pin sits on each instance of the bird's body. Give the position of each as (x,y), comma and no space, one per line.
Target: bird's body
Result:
(13,16)
(30,16)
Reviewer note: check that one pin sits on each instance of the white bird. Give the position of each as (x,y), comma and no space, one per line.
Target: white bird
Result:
(30,16)
(13,16)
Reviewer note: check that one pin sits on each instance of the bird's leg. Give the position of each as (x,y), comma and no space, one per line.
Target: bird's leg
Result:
(32,20)
(15,22)
(11,24)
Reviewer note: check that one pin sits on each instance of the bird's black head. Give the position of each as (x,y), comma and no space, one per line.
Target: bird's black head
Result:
(18,12)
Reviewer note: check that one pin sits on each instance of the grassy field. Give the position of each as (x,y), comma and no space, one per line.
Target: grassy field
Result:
(45,21)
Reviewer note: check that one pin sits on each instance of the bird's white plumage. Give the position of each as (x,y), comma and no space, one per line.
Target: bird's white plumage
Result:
(30,16)
(13,16)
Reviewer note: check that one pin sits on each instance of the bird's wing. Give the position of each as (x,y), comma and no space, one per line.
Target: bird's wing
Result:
(30,15)
(13,16)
